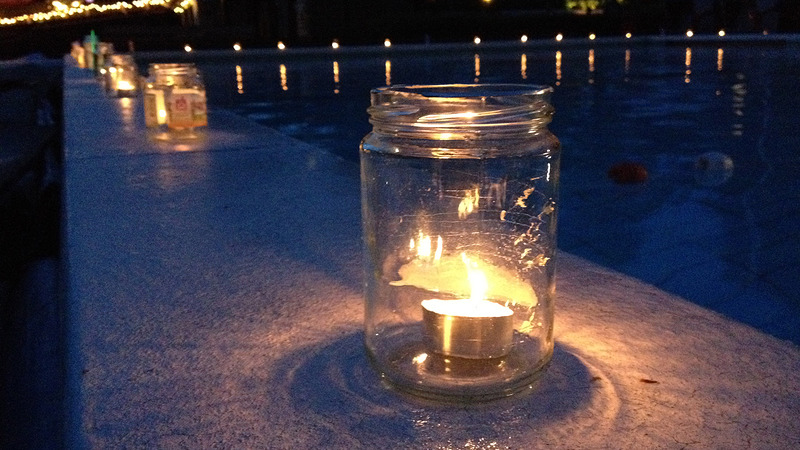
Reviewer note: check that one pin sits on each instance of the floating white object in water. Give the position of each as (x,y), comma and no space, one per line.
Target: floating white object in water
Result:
(713,168)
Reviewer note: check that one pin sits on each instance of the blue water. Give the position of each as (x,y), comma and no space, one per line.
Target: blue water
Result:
(727,239)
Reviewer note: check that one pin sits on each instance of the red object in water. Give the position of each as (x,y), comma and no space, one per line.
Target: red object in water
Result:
(628,173)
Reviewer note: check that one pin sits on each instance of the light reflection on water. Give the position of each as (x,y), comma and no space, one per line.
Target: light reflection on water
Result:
(730,247)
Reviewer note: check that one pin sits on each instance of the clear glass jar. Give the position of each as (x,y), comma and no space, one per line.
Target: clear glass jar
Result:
(175,101)
(120,76)
(104,51)
(459,189)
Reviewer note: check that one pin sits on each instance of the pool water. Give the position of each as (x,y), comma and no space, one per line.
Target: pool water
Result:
(718,219)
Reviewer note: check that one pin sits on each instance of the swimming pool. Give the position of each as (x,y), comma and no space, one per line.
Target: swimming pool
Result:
(724,237)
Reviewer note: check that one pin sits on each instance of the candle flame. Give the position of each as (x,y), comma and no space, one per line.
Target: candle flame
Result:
(478,283)
(124,85)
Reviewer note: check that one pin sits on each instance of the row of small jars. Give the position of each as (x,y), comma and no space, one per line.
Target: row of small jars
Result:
(174,100)
(91,54)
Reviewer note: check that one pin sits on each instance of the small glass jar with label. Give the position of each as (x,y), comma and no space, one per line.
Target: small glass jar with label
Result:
(175,102)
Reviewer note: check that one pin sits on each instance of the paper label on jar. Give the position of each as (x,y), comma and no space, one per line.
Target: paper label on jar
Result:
(199,113)
(180,108)
(150,109)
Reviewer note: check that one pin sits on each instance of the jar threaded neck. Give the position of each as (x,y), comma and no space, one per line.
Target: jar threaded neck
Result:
(460,111)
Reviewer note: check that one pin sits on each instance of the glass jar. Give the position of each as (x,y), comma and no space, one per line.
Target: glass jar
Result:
(104,51)
(175,101)
(459,189)
(120,76)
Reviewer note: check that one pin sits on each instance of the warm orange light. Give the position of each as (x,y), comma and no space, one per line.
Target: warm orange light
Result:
(721,33)
(124,85)
(592,36)
(524,38)
(60,10)
(628,35)
(335,44)
(284,79)
(476,40)
(239,80)
(187,48)
(559,37)
(387,43)
(281,45)
(689,33)
(237,47)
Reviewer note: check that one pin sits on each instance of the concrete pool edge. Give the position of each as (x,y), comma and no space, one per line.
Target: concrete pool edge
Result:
(191,275)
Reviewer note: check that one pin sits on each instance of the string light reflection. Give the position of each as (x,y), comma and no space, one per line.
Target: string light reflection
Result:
(335,77)
(558,68)
(687,79)
(284,81)
(239,80)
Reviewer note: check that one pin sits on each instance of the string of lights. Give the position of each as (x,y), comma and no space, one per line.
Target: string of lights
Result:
(60,10)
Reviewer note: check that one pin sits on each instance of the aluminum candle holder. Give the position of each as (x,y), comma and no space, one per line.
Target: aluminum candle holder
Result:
(459,196)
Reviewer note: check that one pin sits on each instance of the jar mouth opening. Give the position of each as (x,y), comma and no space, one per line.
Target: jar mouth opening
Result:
(465,91)
(477,108)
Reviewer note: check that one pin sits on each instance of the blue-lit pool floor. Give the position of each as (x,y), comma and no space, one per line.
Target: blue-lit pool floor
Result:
(678,242)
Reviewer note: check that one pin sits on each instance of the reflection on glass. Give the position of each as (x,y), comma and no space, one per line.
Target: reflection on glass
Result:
(335,77)
(388,70)
(687,78)
(477,67)
(284,82)
(523,63)
(126,113)
(627,60)
(239,80)
(739,92)
(719,59)
(591,66)
(558,68)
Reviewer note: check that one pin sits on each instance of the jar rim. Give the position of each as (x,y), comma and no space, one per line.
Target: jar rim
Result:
(476,110)
(466,91)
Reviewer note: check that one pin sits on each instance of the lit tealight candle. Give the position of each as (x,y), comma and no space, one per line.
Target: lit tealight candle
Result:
(468,328)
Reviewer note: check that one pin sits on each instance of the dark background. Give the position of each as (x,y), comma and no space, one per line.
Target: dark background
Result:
(258,23)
